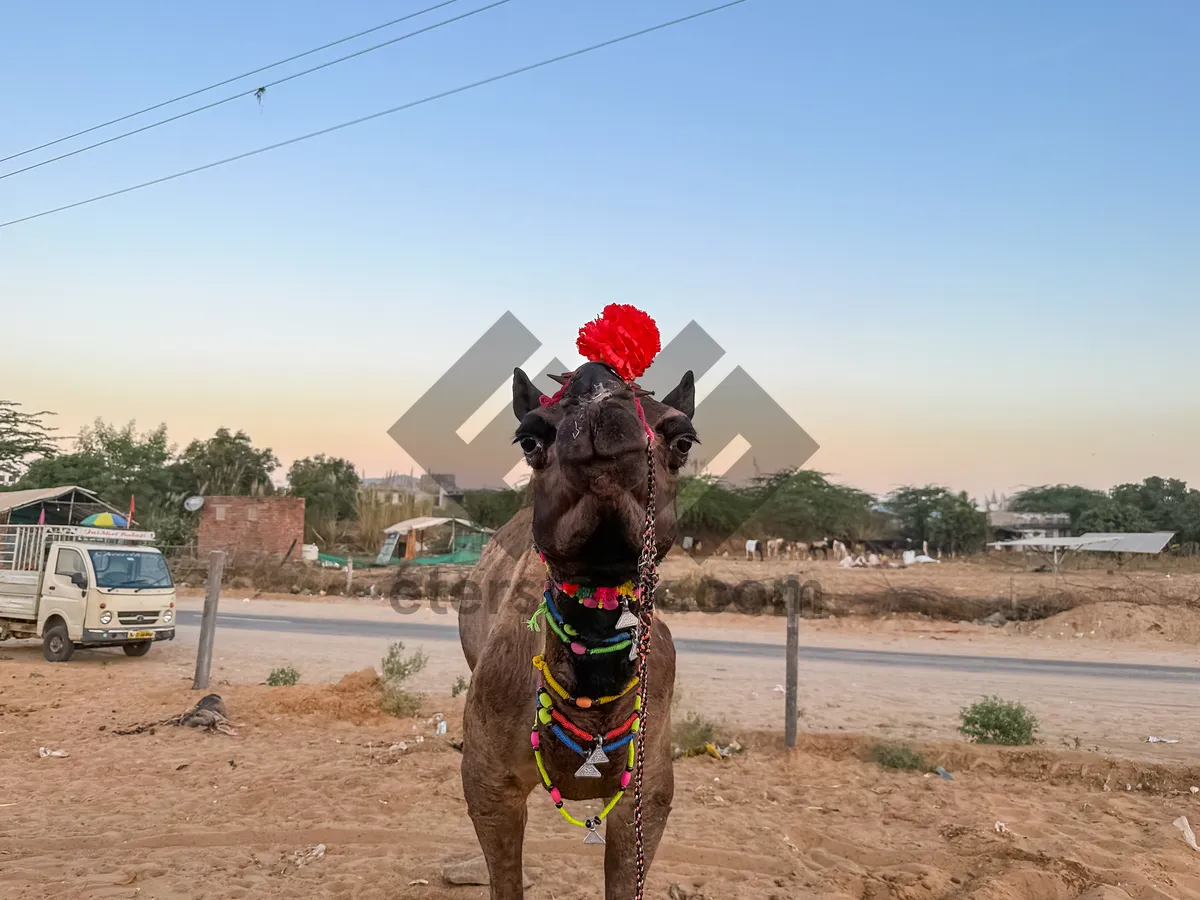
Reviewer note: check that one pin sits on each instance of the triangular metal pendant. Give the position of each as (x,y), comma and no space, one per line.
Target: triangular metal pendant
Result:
(627,620)
(587,770)
(593,837)
(597,757)
(633,653)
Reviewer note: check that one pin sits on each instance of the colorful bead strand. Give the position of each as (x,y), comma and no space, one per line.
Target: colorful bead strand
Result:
(580,702)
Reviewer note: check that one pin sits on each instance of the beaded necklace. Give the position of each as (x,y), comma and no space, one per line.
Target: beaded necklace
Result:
(569,636)
(579,702)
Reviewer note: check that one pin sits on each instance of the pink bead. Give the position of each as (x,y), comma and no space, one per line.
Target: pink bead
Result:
(590,602)
(611,604)
(533,739)
(625,777)
(577,648)
(555,795)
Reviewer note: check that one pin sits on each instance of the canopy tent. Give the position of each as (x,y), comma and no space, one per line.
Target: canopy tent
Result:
(65,505)
(423,522)
(465,538)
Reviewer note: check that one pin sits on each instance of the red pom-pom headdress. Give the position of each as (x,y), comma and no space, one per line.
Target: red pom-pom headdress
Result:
(623,337)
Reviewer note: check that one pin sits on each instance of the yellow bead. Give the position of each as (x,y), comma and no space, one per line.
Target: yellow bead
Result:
(637,702)
(636,726)
(544,716)
(544,699)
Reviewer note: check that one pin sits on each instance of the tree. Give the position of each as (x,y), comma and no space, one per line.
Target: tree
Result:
(329,486)
(115,462)
(937,515)
(225,464)
(492,509)
(23,435)
(1058,498)
(1115,516)
(119,463)
(806,505)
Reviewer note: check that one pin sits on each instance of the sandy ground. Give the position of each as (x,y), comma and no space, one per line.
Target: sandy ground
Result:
(179,814)
(176,814)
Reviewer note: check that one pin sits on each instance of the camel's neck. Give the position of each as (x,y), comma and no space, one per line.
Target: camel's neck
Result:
(588,674)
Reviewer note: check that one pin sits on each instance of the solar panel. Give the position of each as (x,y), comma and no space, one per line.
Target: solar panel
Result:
(1100,542)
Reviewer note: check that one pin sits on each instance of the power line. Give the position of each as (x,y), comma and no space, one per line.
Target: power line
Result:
(387,112)
(258,91)
(211,87)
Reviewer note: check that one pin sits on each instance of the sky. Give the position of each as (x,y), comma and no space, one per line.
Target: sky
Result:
(958,243)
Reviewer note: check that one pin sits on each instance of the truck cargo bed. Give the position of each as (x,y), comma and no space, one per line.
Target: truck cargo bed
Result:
(18,595)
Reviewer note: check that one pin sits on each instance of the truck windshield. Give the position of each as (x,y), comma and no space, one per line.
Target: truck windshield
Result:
(130,569)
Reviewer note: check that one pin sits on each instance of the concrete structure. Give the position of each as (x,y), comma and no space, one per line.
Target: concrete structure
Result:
(1019,526)
(252,526)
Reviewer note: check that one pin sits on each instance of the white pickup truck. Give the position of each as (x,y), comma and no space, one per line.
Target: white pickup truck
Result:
(74,586)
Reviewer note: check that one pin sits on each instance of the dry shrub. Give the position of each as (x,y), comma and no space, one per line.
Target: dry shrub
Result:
(898,756)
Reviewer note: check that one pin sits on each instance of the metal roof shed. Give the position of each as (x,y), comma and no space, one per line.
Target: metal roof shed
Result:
(66,505)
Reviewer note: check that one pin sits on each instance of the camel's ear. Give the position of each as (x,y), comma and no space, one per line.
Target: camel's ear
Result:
(683,395)
(526,397)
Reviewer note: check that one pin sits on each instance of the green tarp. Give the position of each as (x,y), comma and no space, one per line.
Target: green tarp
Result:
(457,558)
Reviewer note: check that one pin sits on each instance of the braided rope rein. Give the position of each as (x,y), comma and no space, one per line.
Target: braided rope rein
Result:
(647,582)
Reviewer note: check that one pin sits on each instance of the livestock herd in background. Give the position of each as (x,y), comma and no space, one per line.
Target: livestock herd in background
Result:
(871,552)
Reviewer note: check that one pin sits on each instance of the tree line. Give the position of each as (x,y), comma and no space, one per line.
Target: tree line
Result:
(118,462)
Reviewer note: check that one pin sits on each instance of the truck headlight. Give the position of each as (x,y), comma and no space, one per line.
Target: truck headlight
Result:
(105,618)
(168,616)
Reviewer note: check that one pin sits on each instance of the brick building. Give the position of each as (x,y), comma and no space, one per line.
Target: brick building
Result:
(251,526)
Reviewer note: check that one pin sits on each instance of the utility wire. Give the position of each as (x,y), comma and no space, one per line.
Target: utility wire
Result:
(387,112)
(259,91)
(225,82)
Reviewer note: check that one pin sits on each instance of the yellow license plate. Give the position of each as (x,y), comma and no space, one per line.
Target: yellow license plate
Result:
(139,635)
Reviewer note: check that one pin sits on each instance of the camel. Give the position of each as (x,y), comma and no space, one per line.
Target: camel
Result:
(589,451)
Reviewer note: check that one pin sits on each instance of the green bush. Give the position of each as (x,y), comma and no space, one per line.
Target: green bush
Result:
(397,668)
(459,686)
(898,756)
(284,676)
(995,721)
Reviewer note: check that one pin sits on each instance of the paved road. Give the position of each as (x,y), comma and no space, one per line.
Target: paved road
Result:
(402,629)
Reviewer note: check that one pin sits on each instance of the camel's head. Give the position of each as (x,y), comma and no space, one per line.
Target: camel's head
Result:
(588,453)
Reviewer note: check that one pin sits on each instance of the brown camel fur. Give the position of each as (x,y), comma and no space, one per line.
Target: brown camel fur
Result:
(589,485)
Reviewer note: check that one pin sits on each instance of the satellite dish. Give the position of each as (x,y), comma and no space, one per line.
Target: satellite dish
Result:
(191,504)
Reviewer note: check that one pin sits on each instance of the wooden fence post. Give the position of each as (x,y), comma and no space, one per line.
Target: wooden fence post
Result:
(208,620)
(791,709)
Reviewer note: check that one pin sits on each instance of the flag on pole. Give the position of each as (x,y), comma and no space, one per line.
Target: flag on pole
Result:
(42,515)
(129,518)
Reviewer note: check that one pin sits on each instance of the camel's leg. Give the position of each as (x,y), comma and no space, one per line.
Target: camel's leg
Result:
(620,869)
(496,802)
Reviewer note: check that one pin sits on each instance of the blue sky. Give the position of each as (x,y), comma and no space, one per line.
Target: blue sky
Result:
(959,242)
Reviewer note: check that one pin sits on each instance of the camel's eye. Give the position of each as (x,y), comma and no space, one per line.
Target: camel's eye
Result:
(534,436)
(683,445)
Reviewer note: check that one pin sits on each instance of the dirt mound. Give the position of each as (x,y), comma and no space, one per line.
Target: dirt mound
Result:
(357,698)
(1117,620)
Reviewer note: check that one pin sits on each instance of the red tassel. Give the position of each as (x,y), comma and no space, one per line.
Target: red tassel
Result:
(623,337)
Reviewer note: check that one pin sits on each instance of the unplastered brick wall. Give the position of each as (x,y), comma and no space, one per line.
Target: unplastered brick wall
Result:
(251,526)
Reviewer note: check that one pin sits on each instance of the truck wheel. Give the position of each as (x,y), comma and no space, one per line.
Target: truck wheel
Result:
(56,643)
(140,648)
